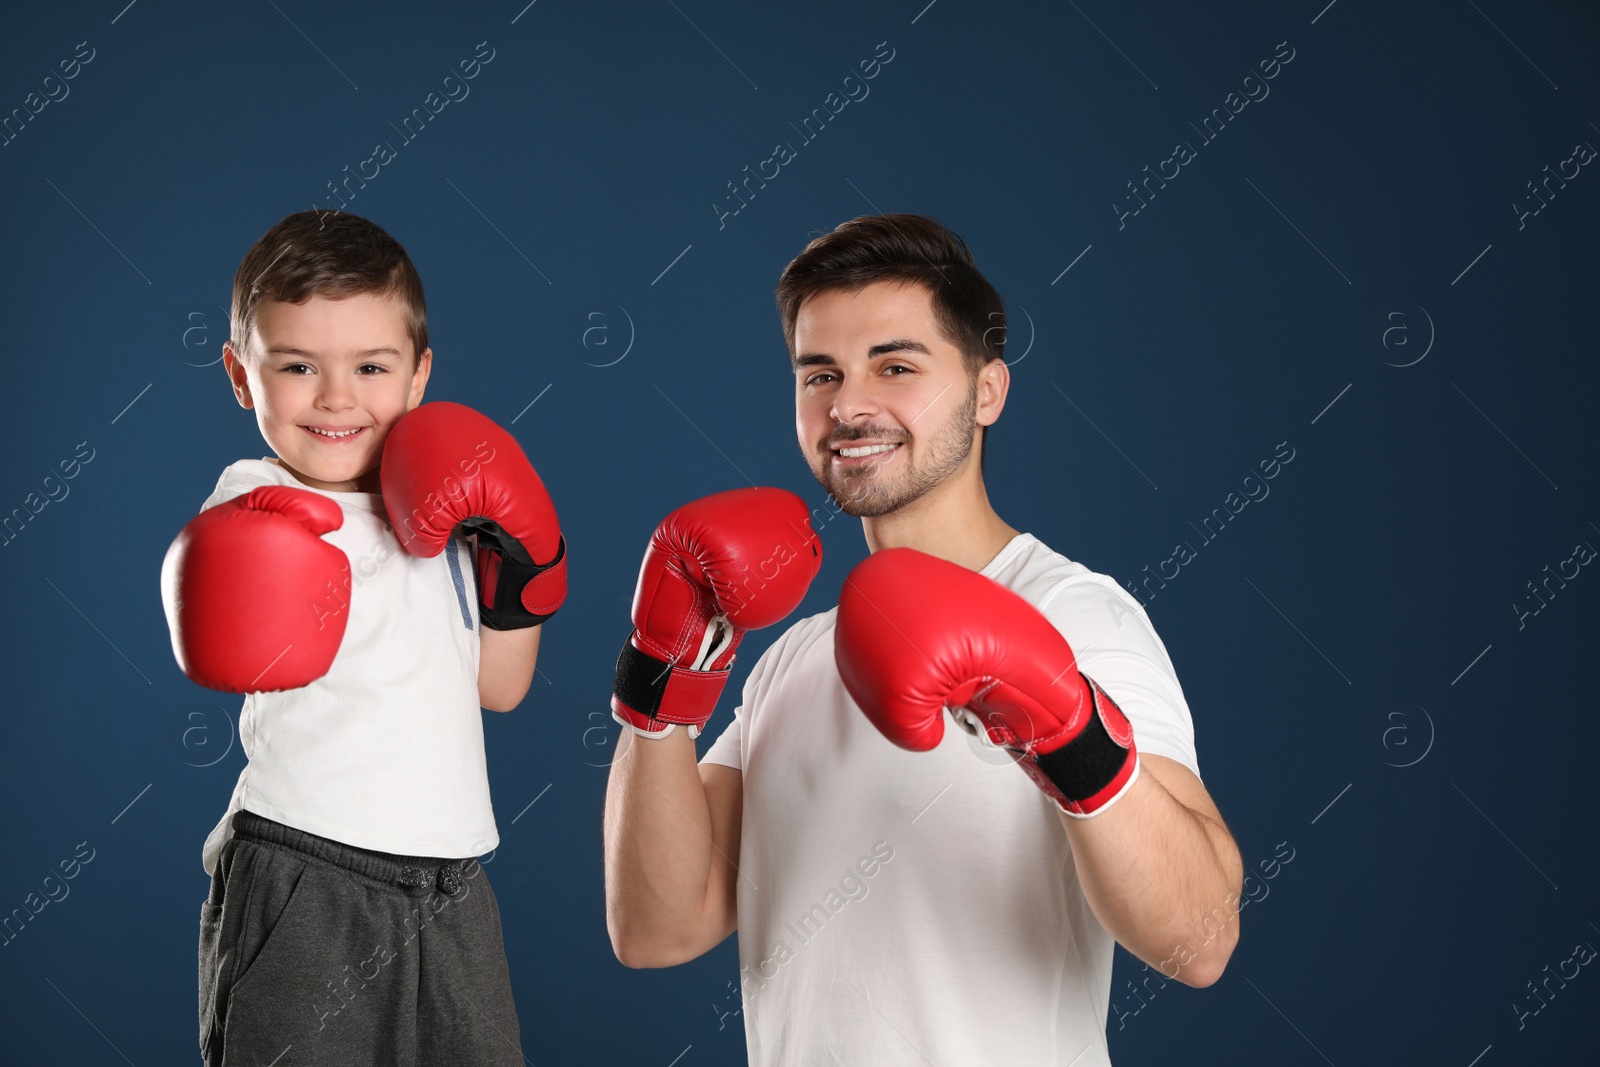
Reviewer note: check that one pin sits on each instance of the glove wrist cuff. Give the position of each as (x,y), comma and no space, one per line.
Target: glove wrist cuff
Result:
(1096,767)
(515,595)
(652,695)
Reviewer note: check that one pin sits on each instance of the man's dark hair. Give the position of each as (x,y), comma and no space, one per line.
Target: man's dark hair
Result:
(902,248)
(911,249)
(330,254)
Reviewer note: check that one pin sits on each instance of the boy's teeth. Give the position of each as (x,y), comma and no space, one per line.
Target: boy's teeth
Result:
(342,433)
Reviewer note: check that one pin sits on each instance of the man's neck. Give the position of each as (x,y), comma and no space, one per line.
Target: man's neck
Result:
(955,522)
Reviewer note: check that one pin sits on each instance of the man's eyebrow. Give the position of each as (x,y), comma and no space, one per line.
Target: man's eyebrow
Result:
(897,344)
(883,348)
(290,350)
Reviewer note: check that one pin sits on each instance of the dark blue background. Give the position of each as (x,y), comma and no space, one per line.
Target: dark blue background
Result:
(1323,639)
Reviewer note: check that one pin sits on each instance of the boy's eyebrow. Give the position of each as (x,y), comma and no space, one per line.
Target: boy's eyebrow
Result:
(882,348)
(289,350)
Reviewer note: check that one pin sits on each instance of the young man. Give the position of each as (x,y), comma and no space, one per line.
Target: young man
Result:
(923,907)
(347,920)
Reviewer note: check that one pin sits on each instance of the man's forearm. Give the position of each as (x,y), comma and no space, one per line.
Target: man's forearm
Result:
(1162,878)
(658,849)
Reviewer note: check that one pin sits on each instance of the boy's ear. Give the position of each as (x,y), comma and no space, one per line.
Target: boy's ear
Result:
(237,375)
(419,378)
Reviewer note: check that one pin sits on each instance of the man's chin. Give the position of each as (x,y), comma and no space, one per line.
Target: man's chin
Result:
(861,495)
(863,505)
(860,511)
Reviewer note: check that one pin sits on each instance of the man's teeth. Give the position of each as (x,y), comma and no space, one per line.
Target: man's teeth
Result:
(341,433)
(865,450)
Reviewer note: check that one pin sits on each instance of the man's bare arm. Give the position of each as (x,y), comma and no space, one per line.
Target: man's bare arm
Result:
(1162,872)
(671,851)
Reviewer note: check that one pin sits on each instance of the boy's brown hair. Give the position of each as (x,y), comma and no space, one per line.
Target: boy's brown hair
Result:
(331,254)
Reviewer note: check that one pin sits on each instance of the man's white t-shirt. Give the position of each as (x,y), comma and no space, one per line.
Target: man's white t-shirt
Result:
(918,908)
(385,751)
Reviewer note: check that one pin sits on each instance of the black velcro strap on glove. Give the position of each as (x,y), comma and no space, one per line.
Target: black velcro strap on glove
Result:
(506,586)
(1086,764)
(652,695)
(641,680)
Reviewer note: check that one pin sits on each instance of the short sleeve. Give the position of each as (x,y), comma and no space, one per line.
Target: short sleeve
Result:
(239,479)
(728,749)
(1116,645)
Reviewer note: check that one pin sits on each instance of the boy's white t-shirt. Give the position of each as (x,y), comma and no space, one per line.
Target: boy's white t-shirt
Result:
(919,908)
(385,751)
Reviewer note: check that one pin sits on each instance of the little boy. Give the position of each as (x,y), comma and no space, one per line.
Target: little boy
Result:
(347,922)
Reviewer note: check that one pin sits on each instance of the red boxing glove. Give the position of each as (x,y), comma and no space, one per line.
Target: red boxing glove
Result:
(255,598)
(715,568)
(446,466)
(917,634)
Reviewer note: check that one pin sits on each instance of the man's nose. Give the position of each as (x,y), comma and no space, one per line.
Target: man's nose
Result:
(854,399)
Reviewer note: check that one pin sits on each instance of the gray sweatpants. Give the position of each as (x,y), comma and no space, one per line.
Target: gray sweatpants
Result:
(314,952)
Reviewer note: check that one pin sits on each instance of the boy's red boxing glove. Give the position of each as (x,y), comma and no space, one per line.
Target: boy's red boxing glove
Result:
(255,599)
(716,567)
(446,466)
(917,634)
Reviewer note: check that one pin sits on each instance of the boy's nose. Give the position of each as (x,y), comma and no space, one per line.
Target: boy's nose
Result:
(336,395)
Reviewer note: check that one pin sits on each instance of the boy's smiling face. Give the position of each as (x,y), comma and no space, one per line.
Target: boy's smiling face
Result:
(328,379)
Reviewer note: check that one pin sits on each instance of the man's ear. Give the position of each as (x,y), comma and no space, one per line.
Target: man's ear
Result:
(237,375)
(419,378)
(994,382)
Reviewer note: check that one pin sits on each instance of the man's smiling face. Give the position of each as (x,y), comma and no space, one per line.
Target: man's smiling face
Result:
(885,408)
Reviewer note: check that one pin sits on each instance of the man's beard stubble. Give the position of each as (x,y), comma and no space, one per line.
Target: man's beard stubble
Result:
(866,493)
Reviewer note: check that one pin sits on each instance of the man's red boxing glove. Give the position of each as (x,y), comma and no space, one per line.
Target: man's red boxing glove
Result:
(715,568)
(446,466)
(917,634)
(255,599)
